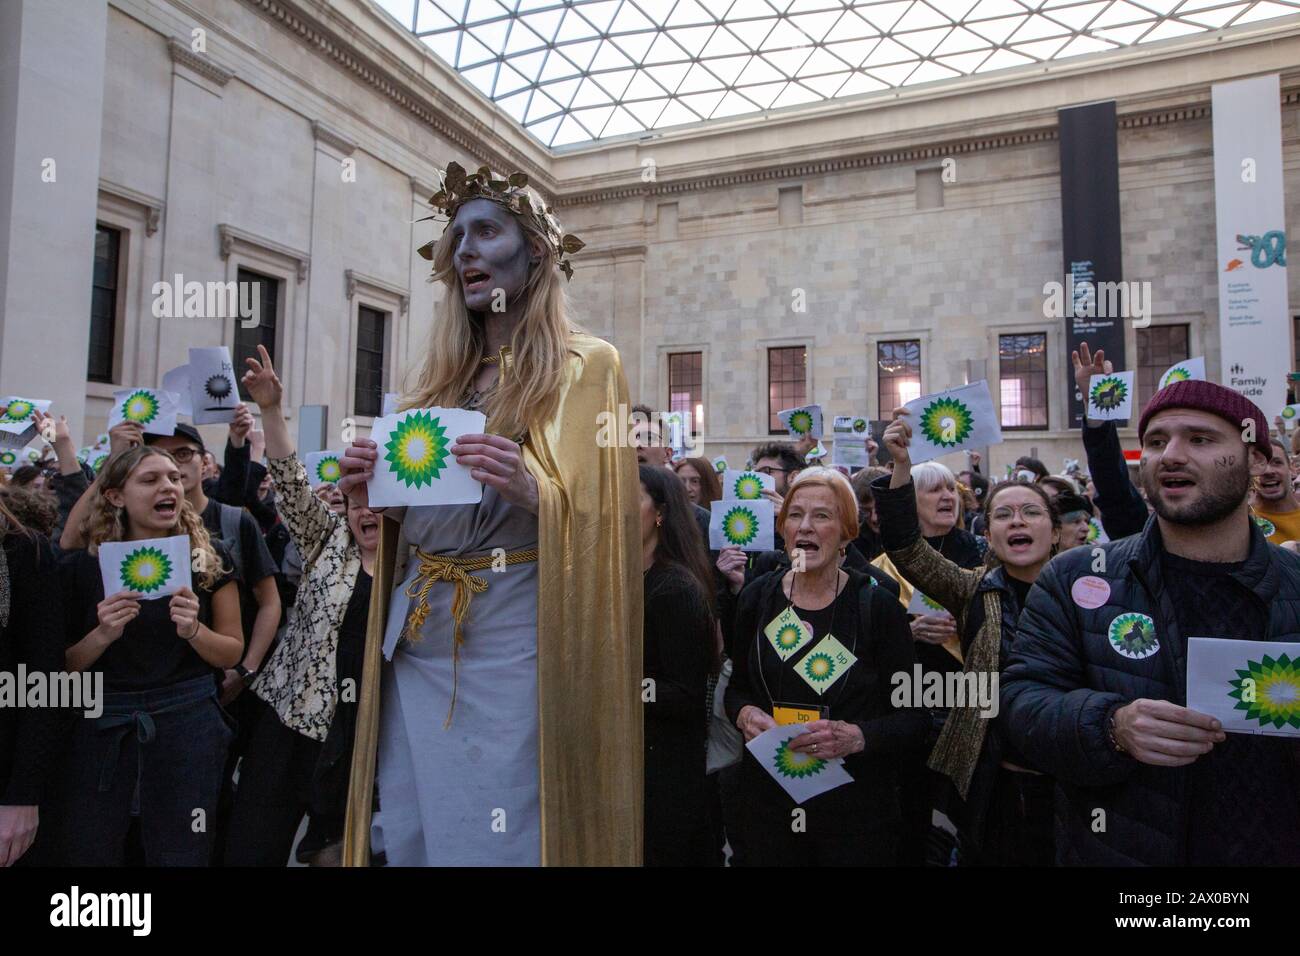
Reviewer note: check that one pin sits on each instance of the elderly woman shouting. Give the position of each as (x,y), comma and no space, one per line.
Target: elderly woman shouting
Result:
(855,824)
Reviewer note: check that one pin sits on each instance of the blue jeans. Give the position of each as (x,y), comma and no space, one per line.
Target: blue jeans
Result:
(157,755)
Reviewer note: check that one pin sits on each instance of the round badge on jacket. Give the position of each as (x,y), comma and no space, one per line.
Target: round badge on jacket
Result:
(1133,636)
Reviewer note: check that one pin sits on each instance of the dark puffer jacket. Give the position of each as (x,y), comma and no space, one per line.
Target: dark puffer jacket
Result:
(1064,680)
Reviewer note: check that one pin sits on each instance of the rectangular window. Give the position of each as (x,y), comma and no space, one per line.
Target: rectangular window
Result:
(1159,346)
(103,305)
(368,394)
(263,333)
(787,383)
(685,387)
(1022,364)
(899,365)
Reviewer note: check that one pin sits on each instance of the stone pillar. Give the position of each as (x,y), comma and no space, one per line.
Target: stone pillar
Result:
(51,112)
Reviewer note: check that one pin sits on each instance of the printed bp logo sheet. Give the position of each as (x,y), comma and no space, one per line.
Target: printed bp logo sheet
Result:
(801,775)
(153,568)
(18,420)
(739,523)
(1193,369)
(746,485)
(951,421)
(1253,687)
(323,468)
(154,410)
(416,466)
(1110,397)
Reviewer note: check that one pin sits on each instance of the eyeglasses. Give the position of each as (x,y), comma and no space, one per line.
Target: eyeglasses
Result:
(184,455)
(769,469)
(1027,512)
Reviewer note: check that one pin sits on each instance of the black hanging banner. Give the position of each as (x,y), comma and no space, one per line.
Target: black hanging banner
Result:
(1090,294)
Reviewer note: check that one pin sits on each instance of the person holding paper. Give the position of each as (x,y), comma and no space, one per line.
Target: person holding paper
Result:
(509,726)
(822,643)
(158,748)
(301,747)
(1005,816)
(1095,689)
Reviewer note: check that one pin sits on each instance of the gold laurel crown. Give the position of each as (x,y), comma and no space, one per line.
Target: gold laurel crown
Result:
(459,187)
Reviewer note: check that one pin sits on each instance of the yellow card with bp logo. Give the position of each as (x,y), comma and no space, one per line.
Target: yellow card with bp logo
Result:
(826,663)
(786,714)
(786,633)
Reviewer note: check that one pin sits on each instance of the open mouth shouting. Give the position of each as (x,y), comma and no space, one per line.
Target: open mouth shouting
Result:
(369,523)
(1176,485)
(474,280)
(808,545)
(165,508)
(1018,542)
(1271,486)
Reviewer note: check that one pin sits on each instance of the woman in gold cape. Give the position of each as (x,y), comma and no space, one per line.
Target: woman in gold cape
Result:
(588,640)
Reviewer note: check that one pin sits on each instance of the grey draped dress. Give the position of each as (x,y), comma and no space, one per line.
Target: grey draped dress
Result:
(466,795)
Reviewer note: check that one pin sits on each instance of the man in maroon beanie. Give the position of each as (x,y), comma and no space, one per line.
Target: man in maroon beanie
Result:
(1095,688)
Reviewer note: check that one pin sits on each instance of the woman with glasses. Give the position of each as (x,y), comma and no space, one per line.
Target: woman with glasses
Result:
(1007,813)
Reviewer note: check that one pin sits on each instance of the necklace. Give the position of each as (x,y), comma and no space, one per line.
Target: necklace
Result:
(489,360)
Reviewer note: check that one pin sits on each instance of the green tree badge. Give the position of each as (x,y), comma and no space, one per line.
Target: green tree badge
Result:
(1134,636)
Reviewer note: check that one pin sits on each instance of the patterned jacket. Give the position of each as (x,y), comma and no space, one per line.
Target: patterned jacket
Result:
(299,681)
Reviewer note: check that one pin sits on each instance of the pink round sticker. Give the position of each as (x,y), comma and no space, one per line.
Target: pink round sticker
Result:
(1090,592)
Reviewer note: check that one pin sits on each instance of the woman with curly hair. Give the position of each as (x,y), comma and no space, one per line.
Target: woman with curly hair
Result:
(157,748)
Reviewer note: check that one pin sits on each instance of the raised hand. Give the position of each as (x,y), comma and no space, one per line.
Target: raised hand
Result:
(1087,364)
(261,382)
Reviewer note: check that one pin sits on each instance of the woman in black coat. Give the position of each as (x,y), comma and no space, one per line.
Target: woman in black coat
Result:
(854,824)
(31,636)
(680,653)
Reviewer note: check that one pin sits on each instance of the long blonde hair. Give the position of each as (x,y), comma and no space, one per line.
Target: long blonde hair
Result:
(105,522)
(526,394)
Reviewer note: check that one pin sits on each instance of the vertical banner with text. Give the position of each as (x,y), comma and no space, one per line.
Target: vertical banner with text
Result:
(1254,333)
(1095,299)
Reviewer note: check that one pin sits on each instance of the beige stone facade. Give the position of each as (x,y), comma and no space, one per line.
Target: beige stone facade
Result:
(299,141)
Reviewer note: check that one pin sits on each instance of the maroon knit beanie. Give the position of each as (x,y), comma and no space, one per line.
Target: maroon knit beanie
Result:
(1208,397)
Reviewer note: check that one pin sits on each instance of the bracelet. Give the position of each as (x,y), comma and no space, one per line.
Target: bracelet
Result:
(193,637)
(1110,734)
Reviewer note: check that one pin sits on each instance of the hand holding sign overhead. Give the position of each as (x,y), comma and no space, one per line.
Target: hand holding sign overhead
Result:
(952,420)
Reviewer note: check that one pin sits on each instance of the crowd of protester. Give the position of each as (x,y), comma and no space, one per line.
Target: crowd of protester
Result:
(225,735)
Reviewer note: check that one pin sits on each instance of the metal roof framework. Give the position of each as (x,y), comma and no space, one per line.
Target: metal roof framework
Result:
(576,71)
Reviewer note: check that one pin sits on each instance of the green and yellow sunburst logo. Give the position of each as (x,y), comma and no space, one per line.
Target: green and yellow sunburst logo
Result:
(1289,412)
(1094,530)
(819,668)
(748,487)
(801,422)
(1108,394)
(18,410)
(33,455)
(145,570)
(946,422)
(740,526)
(417,449)
(329,470)
(1265,526)
(788,637)
(140,407)
(859,425)
(1269,691)
(97,460)
(8,458)
(1134,636)
(1176,374)
(932,604)
(790,763)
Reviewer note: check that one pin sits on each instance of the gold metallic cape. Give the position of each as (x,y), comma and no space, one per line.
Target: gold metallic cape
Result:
(589,616)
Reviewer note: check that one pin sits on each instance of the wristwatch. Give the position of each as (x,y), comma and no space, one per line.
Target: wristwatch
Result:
(244,672)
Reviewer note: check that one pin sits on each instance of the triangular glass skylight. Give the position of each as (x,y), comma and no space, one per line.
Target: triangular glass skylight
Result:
(580,70)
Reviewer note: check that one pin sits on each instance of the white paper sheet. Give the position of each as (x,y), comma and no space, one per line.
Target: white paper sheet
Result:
(178,381)
(153,409)
(745,485)
(924,605)
(17,420)
(747,525)
(950,421)
(801,775)
(1110,397)
(416,466)
(1253,687)
(802,422)
(1193,369)
(214,392)
(152,568)
(323,467)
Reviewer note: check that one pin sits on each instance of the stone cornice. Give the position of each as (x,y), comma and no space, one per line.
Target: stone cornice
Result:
(353,280)
(1042,129)
(229,236)
(199,63)
(332,138)
(411,92)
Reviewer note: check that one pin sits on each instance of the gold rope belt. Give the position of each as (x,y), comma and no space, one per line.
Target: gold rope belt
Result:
(444,567)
